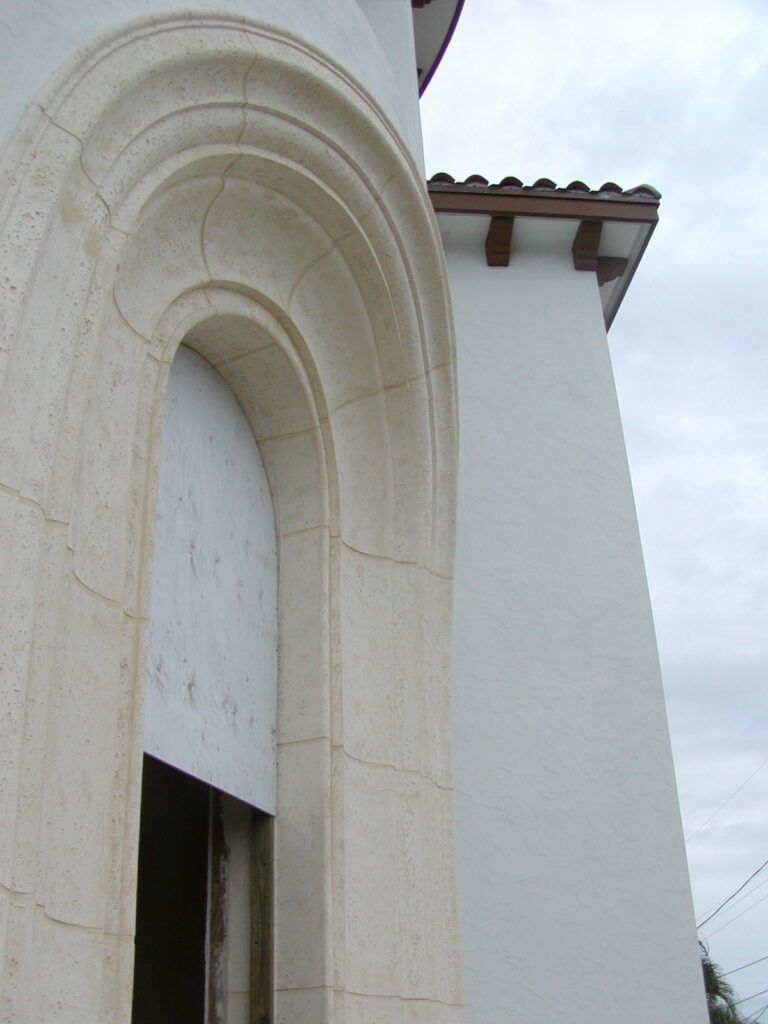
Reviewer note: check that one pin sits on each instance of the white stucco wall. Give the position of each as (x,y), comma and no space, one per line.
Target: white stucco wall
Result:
(211,704)
(392,21)
(38,36)
(573,888)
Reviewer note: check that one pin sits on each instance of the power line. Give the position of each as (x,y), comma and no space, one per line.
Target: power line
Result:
(743,966)
(732,919)
(714,814)
(747,998)
(759,1014)
(750,893)
(733,894)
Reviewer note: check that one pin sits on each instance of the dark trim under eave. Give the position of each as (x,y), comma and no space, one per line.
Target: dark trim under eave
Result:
(443,48)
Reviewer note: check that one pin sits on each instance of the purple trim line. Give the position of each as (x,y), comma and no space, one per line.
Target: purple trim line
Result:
(443,48)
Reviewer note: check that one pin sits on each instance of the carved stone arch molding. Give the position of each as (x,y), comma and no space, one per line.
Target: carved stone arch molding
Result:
(211,181)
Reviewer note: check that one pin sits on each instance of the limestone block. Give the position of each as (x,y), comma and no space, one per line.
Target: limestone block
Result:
(225,337)
(311,1004)
(326,172)
(414,711)
(254,234)
(374,1009)
(367,656)
(17,983)
(170,231)
(54,295)
(411,443)
(109,493)
(116,976)
(272,397)
(294,464)
(67,986)
(331,476)
(150,80)
(437,596)
(328,311)
(180,318)
(417,934)
(363,461)
(122,813)
(5,911)
(28,209)
(303,626)
(428,922)
(23,531)
(141,483)
(401,351)
(386,292)
(23,828)
(406,200)
(442,857)
(75,398)
(371,883)
(80,756)
(442,389)
(356,135)
(302,865)
(301,166)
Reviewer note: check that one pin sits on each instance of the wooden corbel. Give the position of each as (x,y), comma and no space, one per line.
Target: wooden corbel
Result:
(586,244)
(498,241)
(609,268)
(585,253)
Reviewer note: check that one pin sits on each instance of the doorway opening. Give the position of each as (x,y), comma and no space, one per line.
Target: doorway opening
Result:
(204,905)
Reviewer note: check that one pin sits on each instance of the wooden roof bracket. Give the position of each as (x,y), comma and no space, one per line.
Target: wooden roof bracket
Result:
(586,244)
(609,268)
(498,241)
(585,253)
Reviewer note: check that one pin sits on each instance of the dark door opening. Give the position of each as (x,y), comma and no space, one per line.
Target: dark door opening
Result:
(204,905)
(169,979)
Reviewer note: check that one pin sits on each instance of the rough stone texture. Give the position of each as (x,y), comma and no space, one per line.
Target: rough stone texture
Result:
(207,179)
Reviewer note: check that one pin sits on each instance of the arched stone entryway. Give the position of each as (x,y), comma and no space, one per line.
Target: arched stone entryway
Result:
(208,180)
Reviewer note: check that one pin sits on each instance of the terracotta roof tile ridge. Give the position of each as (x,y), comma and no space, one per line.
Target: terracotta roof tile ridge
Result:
(511,183)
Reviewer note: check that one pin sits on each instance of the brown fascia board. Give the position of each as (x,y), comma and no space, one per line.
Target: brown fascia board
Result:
(562,204)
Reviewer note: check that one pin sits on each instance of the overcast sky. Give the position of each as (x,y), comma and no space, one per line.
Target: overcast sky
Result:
(674,94)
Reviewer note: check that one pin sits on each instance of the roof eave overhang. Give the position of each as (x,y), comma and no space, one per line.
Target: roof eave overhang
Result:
(504,204)
(434,22)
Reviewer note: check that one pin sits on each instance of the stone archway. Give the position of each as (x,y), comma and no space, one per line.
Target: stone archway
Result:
(208,180)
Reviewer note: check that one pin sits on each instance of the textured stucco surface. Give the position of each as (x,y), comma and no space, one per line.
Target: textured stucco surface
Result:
(574,899)
(211,699)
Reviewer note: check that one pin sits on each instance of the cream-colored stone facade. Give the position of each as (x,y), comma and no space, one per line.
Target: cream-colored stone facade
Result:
(214,181)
